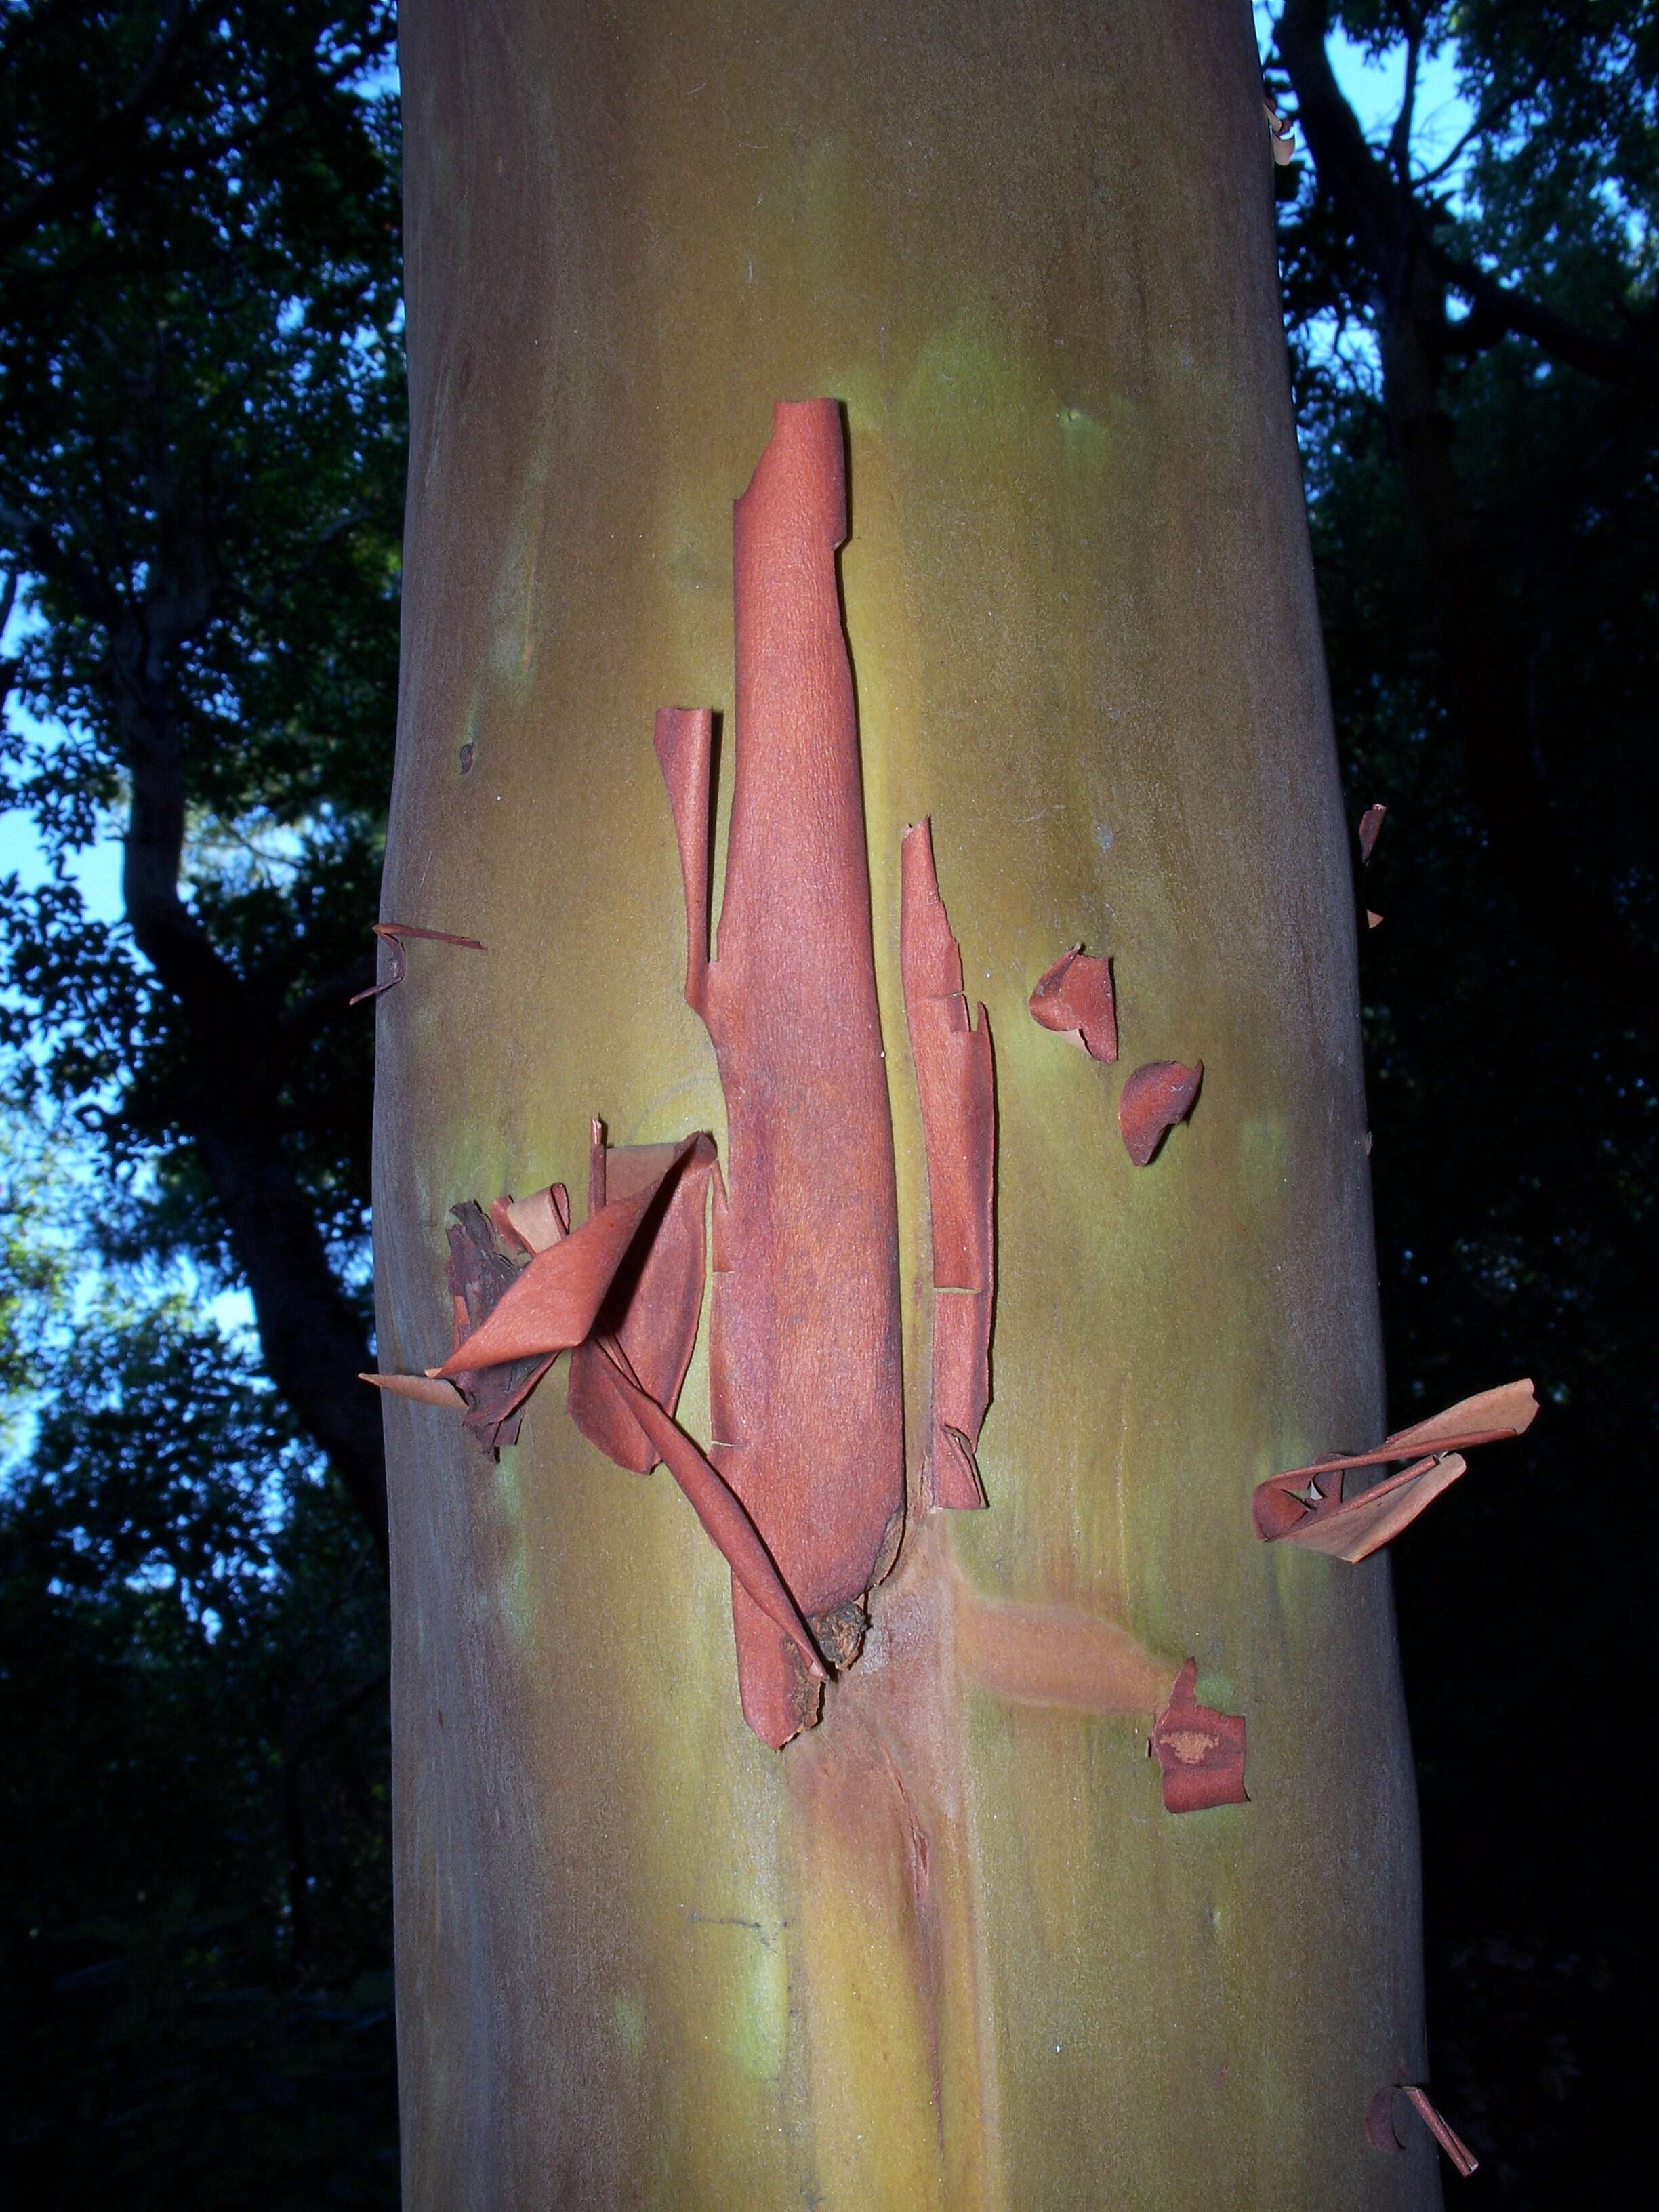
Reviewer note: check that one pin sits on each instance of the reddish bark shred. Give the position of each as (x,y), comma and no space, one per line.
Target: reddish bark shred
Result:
(957,1082)
(1199,1752)
(1155,1097)
(804,1316)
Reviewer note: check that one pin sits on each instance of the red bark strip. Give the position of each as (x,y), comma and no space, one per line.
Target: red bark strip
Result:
(393,933)
(1199,1752)
(803,1344)
(1155,1097)
(956,1083)
(1074,997)
(1371,829)
(1351,1529)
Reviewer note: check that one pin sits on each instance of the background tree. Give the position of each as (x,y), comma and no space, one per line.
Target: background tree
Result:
(948,1948)
(1472,312)
(200,465)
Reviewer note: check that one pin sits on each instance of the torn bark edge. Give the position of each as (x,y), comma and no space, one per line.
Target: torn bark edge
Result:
(1383,2135)
(956,1087)
(393,933)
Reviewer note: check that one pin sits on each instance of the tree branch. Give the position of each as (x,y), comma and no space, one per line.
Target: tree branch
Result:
(1498,312)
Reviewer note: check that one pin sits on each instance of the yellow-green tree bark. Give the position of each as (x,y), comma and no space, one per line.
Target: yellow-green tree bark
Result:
(947,1948)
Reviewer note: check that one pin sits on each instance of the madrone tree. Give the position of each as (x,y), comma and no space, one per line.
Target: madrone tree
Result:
(950,1944)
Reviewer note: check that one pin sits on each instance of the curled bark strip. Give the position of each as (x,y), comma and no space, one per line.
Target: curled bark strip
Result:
(1322,1522)
(651,1311)
(393,933)
(1281,134)
(1074,997)
(422,1388)
(1449,2140)
(956,1080)
(553,1299)
(1155,1097)
(1199,1752)
(1371,829)
(804,1340)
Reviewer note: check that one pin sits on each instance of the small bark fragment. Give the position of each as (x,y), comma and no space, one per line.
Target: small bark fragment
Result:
(392,933)
(1281,134)
(1354,1530)
(956,1080)
(1155,1097)
(1371,829)
(1074,997)
(1199,1752)
(804,1339)
(425,1389)
(1305,1505)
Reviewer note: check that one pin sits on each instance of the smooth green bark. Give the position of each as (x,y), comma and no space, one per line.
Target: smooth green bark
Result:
(642,1960)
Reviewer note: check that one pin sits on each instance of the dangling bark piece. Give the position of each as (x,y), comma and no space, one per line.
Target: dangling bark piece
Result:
(1371,829)
(956,1083)
(651,1310)
(1155,1097)
(804,1335)
(392,933)
(1199,1752)
(1321,1520)
(424,1388)
(1074,997)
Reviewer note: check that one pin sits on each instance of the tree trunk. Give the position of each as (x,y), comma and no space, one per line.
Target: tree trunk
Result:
(948,1947)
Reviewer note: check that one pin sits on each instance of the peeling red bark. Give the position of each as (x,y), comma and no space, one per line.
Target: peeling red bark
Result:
(1074,997)
(1322,1520)
(635,1269)
(803,1348)
(1155,1097)
(956,1079)
(1371,829)
(1199,1752)
(552,1302)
